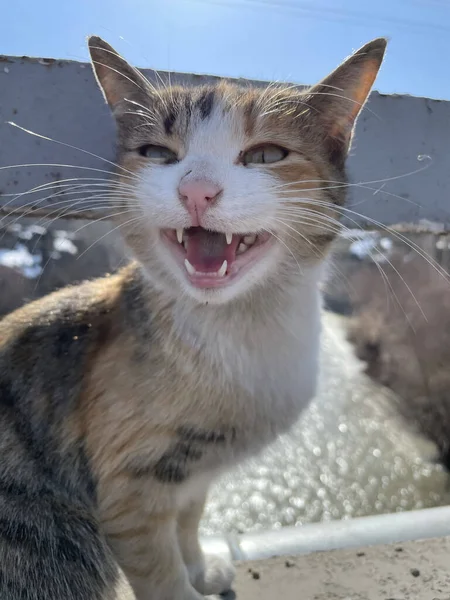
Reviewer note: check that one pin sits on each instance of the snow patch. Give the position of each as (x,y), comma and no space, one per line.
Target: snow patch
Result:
(21,259)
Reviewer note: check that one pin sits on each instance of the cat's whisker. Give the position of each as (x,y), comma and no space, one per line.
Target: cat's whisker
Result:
(388,261)
(34,204)
(69,189)
(164,84)
(67,211)
(313,217)
(354,236)
(399,236)
(388,283)
(63,186)
(299,234)
(346,98)
(156,89)
(122,224)
(268,230)
(275,110)
(147,120)
(66,145)
(293,192)
(308,206)
(38,280)
(142,125)
(331,230)
(103,203)
(63,183)
(47,224)
(169,82)
(102,217)
(132,177)
(340,184)
(272,92)
(309,222)
(147,111)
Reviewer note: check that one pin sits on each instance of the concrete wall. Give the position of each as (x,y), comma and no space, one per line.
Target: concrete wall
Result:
(60,100)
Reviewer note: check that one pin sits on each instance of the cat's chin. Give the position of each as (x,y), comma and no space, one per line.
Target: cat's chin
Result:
(212,262)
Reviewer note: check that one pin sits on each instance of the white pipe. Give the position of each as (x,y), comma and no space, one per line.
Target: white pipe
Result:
(332,535)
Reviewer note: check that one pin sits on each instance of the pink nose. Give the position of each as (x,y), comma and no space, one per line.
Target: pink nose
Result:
(198,195)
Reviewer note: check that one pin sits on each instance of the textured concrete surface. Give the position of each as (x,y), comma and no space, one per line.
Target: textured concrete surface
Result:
(411,571)
(400,163)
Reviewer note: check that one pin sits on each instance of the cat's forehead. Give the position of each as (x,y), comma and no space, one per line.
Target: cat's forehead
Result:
(188,110)
(236,112)
(185,110)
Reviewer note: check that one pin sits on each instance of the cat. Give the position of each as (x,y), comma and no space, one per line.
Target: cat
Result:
(122,398)
(401,331)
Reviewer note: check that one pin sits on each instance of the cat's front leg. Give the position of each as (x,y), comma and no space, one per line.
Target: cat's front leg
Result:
(209,574)
(146,547)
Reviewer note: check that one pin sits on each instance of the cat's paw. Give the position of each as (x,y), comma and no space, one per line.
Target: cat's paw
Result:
(214,575)
(219,575)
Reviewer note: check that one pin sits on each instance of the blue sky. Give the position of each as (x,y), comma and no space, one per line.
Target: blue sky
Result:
(288,40)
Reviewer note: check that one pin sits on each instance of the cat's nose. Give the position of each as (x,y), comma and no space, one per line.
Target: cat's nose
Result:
(198,195)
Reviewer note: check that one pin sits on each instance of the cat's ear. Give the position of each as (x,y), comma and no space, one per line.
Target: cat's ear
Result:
(117,79)
(337,100)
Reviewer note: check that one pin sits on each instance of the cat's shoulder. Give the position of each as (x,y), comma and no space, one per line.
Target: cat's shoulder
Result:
(91,311)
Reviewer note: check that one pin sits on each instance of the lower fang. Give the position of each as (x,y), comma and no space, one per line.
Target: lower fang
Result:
(189,268)
(249,239)
(223,269)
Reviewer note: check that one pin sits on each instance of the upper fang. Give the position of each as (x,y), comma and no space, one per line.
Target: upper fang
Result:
(229,237)
(180,236)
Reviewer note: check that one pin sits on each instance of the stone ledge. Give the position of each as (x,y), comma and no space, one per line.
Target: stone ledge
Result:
(415,570)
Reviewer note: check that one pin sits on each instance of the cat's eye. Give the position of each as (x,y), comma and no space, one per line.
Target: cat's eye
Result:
(158,154)
(264,155)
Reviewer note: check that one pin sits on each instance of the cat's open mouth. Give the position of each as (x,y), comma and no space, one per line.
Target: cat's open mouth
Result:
(211,259)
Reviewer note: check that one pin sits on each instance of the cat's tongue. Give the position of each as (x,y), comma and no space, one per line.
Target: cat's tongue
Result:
(206,250)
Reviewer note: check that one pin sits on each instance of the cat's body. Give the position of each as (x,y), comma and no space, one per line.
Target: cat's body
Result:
(122,398)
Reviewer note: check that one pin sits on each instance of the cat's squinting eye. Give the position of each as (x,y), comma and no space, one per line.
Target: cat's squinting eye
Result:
(158,154)
(264,155)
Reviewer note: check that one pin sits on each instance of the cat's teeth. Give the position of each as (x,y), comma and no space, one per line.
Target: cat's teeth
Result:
(223,269)
(250,239)
(189,268)
(180,236)
(229,237)
(192,271)
(241,248)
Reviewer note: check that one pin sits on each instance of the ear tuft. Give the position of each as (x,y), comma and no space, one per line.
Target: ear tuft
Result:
(117,79)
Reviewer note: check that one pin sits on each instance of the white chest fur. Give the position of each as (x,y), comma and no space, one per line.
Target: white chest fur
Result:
(261,364)
(270,371)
